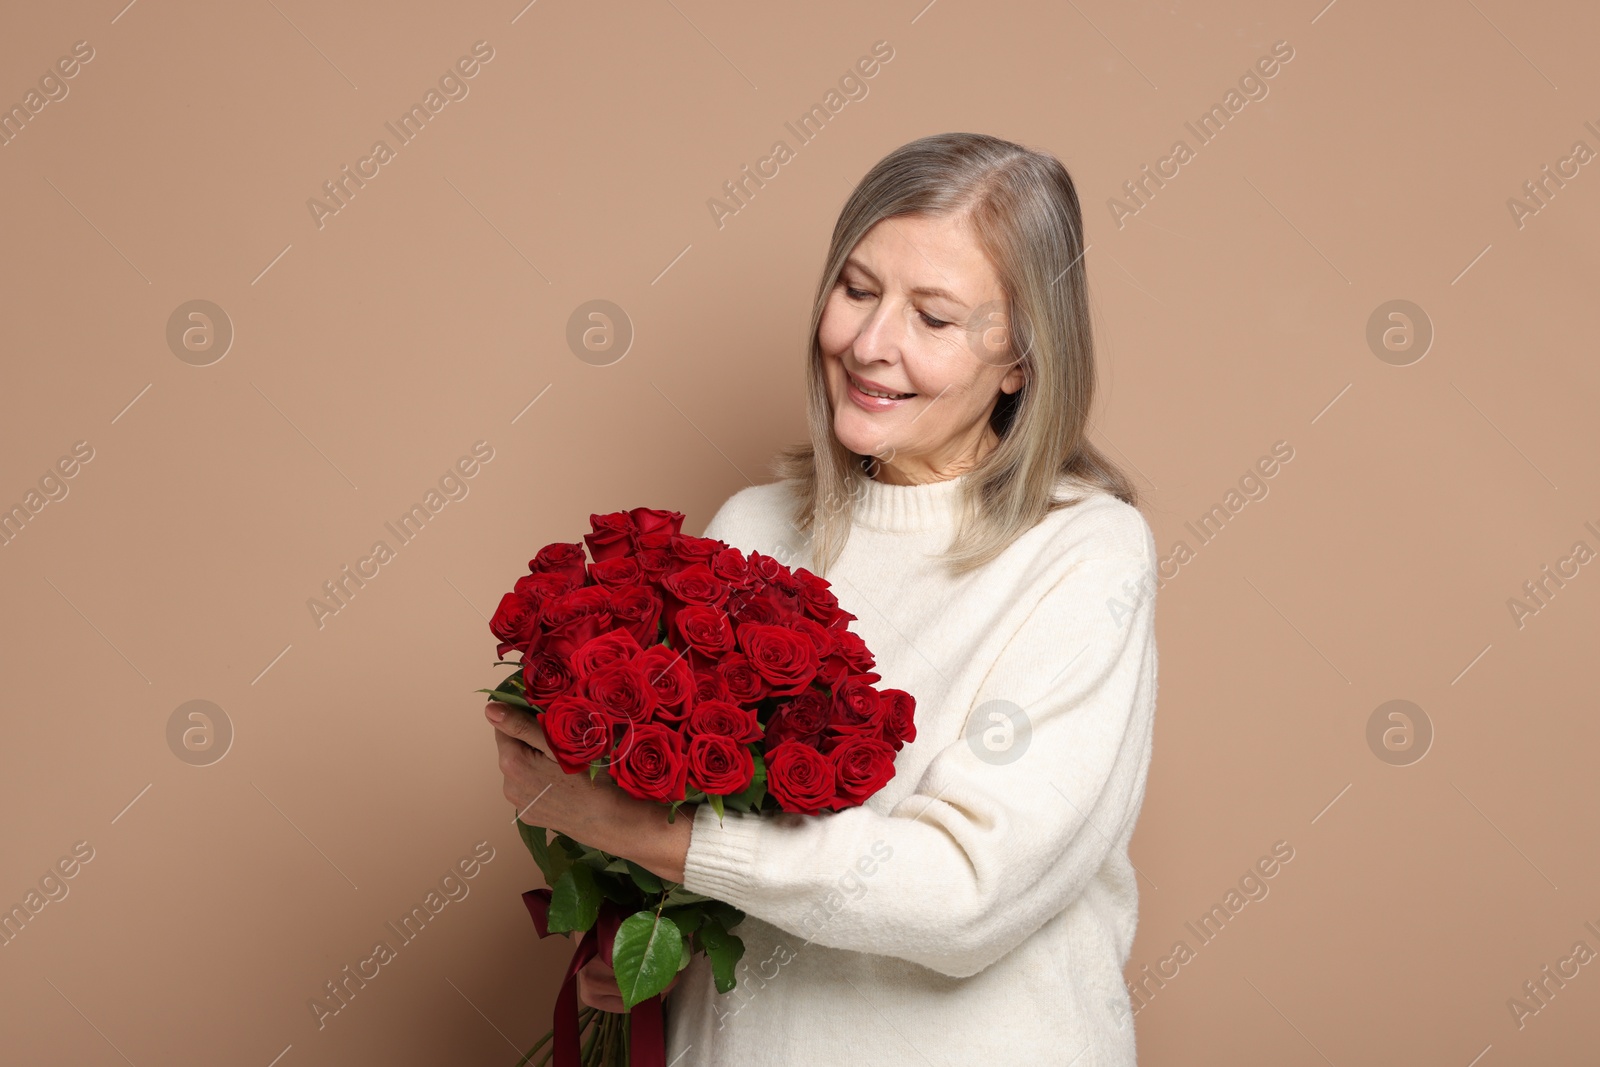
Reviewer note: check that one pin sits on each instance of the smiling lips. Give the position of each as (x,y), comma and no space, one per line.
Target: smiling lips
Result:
(858,390)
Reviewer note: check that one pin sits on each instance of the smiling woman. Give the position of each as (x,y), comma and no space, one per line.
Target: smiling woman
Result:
(950,495)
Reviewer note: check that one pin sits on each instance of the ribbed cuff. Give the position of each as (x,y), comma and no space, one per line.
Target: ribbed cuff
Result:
(722,855)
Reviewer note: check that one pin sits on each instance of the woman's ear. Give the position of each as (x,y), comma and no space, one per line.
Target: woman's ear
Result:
(1013,380)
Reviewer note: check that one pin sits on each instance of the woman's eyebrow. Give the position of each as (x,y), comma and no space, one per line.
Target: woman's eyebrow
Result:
(920,290)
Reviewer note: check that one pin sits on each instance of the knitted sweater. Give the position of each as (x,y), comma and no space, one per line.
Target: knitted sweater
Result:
(981,906)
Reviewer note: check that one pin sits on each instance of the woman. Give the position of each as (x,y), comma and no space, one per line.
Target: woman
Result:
(983,903)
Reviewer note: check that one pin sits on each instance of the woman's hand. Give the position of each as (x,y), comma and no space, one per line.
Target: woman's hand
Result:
(596,812)
(544,794)
(597,986)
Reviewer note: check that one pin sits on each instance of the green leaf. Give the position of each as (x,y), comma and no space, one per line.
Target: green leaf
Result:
(750,799)
(593,858)
(688,917)
(680,895)
(724,950)
(647,882)
(716,804)
(551,864)
(724,913)
(621,891)
(507,698)
(645,956)
(574,900)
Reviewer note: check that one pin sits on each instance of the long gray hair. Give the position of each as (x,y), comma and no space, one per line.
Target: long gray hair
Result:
(1023,207)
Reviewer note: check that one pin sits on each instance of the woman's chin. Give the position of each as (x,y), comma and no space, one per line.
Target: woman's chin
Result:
(860,433)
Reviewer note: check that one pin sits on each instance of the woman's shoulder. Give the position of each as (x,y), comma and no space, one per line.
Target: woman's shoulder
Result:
(746,517)
(1100,526)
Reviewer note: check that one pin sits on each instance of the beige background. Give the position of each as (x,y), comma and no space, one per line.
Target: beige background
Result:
(430,311)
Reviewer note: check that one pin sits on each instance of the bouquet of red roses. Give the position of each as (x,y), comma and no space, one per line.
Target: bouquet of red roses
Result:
(690,672)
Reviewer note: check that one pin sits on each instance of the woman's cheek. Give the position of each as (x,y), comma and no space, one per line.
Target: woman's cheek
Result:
(838,326)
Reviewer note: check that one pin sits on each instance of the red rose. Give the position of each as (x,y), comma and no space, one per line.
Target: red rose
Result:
(543,586)
(820,636)
(670,677)
(611,536)
(704,629)
(579,731)
(861,766)
(899,725)
(710,685)
(659,540)
(650,763)
(696,549)
(617,571)
(695,584)
(756,606)
(622,689)
(560,559)
(545,677)
(649,521)
(818,600)
(857,707)
(614,646)
(853,649)
(801,719)
(514,622)
(744,684)
(638,610)
(721,717)
(719,765)
(566,638)
(800,778)
(785,658)
(655,562)
(729,565)
(587,600)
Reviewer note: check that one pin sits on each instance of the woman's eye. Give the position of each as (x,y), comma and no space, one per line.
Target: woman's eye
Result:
(861,294)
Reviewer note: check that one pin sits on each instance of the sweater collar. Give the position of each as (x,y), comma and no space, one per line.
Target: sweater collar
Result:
(925,505)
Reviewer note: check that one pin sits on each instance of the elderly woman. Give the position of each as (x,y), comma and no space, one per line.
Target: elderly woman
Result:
(979,908)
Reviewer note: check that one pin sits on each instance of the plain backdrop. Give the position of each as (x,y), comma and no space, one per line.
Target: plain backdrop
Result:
(1440,860)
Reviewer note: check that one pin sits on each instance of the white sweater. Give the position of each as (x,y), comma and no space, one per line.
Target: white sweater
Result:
(981,907)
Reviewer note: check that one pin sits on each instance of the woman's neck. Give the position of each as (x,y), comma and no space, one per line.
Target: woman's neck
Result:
(909,470)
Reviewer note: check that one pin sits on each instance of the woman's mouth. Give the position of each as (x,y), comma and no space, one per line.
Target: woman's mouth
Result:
(873,399)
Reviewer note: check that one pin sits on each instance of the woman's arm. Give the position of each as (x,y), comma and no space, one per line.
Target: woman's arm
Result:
(985,851)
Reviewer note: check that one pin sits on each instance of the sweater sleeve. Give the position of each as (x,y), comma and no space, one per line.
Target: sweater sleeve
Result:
(1008,824)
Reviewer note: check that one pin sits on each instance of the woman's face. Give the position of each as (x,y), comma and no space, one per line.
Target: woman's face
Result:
(917,309)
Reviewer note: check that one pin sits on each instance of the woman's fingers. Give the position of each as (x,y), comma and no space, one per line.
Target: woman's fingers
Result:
(518,723)
(597,986)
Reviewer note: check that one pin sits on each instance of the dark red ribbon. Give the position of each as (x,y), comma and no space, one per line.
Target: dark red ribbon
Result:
(647,1045)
